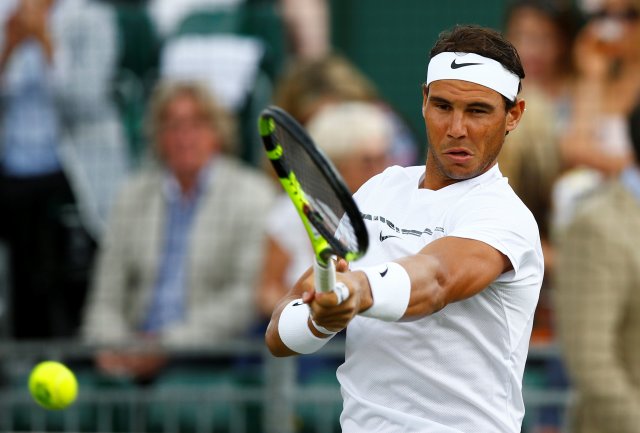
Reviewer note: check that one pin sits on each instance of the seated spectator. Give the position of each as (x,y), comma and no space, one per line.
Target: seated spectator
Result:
(62,154)
(542,32)
(184,243)
(598,302)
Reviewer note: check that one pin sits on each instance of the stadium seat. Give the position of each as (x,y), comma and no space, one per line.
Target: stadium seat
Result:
(137,69)
(193,399)
(256,30)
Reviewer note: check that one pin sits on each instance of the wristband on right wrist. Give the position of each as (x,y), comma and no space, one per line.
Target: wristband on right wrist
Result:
(390,288)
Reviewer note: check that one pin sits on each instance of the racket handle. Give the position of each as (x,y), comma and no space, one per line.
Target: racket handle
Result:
(325,276)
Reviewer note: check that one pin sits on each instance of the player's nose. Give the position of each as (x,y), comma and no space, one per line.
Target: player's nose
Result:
(457,127)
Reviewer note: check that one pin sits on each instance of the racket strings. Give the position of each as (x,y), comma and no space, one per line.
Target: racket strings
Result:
(329,216)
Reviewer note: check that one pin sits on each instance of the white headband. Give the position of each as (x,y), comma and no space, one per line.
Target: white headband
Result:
(476,69)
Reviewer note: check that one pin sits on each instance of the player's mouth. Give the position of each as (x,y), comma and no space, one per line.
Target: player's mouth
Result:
(458,155)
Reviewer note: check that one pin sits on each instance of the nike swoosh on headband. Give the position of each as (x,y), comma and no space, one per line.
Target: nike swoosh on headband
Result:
(489,72)
(455,65)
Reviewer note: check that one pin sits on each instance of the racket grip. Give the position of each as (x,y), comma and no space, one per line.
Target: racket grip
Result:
(325,276)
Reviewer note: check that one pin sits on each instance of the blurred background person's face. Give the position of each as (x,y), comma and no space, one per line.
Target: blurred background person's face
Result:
(538,41)
(187,139)
(356,136)
(370,159)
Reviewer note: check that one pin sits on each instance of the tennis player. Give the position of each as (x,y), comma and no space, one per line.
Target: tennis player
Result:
(439,311)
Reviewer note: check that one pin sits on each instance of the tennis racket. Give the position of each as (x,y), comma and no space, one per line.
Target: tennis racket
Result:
(327,210)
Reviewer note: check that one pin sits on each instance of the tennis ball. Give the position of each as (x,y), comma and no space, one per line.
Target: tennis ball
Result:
(52,385)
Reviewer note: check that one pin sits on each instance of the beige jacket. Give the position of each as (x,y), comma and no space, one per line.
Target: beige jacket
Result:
(225,253)
(597,290)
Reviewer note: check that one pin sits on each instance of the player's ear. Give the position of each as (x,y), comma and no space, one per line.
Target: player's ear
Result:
(514,115)
(425,96)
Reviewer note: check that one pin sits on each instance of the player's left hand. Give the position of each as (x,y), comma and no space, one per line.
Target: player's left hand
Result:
(325,309)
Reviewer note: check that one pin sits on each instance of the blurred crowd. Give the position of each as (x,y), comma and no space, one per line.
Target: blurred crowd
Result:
(135,204)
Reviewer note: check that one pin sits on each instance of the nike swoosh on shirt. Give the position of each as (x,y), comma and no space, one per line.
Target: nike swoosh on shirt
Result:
(383,273)
(455,65)
(383,238)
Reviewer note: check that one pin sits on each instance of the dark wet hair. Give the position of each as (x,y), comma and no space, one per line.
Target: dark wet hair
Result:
(482,41)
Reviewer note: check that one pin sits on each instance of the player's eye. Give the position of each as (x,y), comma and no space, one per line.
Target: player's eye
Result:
(444,107)
(478,111)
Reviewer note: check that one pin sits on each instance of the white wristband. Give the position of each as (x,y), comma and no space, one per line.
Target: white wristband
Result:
(390,288)
(294,331)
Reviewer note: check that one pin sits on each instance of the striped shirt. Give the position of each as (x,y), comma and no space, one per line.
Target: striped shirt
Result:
(168,302)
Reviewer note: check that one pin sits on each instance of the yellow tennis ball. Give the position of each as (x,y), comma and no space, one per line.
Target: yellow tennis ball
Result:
(53,385)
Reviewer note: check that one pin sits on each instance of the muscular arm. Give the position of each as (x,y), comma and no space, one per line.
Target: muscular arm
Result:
(445,271)
(448,270)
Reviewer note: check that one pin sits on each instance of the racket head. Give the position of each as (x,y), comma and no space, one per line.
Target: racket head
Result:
(323,201)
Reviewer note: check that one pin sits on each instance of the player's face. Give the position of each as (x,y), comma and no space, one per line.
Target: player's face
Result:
(187,139)
(466,125)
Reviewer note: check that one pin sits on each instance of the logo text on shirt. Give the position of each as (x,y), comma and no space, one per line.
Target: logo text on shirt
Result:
(396,229)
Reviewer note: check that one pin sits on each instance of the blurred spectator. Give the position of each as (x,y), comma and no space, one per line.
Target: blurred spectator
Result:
(532,162)
(307,86)
(607,60)
(598,302)
(542,31)
(356,137)
(532,159)
(184,244)
(61,152)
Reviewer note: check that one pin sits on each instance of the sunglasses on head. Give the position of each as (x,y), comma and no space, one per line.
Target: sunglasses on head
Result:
(629,14)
